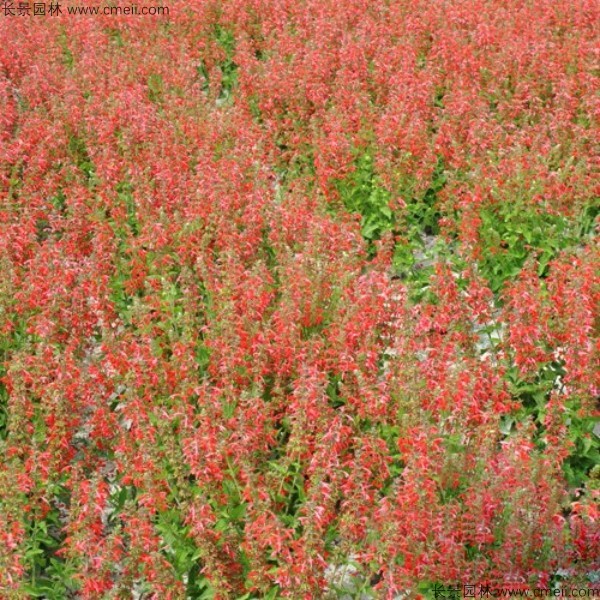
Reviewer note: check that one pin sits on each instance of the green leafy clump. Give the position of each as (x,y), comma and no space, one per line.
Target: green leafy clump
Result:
(512,232)
(183,554)
(224,40)
(50,576)
(423,213)
(363,193)
(79,155)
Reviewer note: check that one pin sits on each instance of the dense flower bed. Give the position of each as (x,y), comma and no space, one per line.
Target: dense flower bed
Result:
(292,285)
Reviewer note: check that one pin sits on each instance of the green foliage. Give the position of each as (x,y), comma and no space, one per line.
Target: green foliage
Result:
(511,232)
(416,228)
(67,56)
(119,296)
(333,391)
(155,87)
(226,41)
(183,554)
(125,194)
(228,69)
(290,493)
(49,576)
(116,37)
(585,456)
(9,343)
(59,202)
(391,434)
(588,218)
(3,408)
(363,193)
(422,212)
(79,155)
(534,396)
(122,300)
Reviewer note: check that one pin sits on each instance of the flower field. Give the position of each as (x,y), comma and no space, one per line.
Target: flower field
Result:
(299,299)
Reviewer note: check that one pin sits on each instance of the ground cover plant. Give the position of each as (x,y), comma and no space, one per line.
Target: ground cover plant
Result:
(299,299)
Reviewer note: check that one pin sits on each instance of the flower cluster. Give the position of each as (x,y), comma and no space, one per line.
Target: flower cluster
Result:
(287,287)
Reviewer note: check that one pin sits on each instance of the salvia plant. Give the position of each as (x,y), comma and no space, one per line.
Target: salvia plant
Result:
(299,299)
